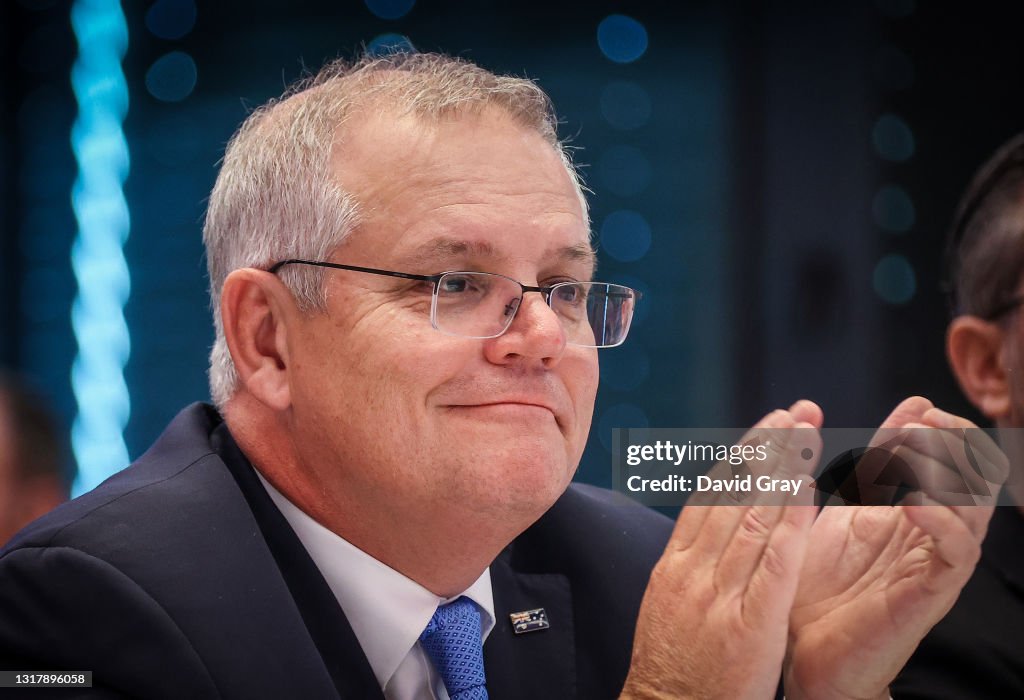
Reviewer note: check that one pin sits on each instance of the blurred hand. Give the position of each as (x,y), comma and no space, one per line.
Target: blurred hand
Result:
(714,619)
(876,578)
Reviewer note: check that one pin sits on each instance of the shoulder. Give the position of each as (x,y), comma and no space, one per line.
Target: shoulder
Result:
(177,512)
(138,501)
(139,579)
(63,609)
(82,585)
(109,572)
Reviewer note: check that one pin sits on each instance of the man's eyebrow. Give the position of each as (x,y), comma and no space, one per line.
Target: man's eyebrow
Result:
(441,249)
(581,252)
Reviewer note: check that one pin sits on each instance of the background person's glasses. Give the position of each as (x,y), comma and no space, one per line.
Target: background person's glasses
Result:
(483,304)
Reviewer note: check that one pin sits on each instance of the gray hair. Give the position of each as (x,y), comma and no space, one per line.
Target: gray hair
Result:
(275,197)
(986,251)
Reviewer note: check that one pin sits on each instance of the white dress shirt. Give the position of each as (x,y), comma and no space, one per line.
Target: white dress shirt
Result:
(386,609)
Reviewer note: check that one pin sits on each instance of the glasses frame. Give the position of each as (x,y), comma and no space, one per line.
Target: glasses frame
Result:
(434,279)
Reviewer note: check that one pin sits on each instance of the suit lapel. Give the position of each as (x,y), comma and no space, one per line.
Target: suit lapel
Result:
(325,621)
(538,664)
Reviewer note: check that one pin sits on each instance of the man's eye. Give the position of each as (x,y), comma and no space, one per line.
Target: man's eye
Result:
(569,294)
(454,285)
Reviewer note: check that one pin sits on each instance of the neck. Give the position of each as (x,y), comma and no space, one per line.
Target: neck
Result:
(406,536)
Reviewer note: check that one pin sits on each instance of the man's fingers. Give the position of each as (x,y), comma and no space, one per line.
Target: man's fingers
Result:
(974,517)
(772,584)
(934,461)
(957,543)
(784,447)
(699,508)
(748,548)
(943,455)
(989,459)
(908,411)
(804,411)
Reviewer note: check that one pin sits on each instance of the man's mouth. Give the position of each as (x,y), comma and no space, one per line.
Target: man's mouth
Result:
(510,408)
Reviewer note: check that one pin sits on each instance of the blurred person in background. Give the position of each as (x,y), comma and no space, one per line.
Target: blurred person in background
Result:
(977,651)
(33,476)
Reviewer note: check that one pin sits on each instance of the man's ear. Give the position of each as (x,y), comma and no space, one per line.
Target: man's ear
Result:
(255,307)
(978,358)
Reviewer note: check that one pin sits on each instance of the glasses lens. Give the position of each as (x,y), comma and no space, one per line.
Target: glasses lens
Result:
(475,304)
(482,305)
(594,314)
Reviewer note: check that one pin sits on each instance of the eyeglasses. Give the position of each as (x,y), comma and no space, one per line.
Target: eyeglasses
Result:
(483,304)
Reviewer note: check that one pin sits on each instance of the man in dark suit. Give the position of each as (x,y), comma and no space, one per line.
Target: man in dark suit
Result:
(978,649)
(180,578)
(404,371)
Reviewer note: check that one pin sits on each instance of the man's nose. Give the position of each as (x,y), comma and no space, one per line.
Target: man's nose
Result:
(535,333)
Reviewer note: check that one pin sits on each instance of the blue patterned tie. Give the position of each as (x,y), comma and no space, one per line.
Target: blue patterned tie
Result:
(452,641)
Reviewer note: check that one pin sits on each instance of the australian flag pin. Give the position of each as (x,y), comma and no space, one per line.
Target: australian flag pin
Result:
(529,621)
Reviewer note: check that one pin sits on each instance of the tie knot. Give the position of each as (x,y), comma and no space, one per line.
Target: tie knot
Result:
(452,641)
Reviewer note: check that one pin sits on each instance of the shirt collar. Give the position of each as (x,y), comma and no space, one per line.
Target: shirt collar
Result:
(386,609)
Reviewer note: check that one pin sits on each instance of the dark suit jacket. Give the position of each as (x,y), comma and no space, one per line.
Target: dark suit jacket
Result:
(977,650)
(179,578)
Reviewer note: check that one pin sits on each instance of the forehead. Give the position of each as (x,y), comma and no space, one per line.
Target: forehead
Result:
(468,183)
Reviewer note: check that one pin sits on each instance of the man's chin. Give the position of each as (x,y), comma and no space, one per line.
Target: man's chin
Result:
(519,484)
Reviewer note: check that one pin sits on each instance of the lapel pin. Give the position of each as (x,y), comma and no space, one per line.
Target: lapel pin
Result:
(529,621)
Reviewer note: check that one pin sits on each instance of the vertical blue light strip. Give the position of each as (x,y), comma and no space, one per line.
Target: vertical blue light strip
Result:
(97,256)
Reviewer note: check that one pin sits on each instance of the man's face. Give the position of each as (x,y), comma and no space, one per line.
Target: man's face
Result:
(388,410)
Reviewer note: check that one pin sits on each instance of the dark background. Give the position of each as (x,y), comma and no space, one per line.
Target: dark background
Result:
(777,178)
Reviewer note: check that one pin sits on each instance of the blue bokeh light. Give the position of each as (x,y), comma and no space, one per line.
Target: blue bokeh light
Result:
(621,39)
(171,19)
(390,9)
(893,209)
(625,105)
(894,279)
(625,235)
(97,255)
(172,77)
(893,139)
